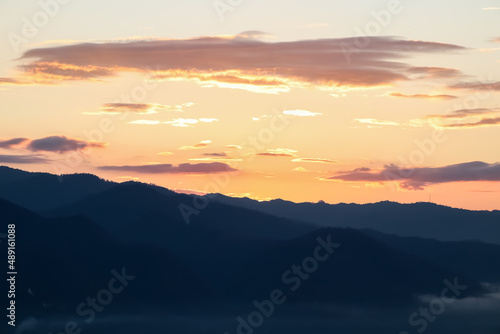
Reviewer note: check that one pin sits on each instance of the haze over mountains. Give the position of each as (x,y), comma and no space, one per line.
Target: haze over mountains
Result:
(76,229)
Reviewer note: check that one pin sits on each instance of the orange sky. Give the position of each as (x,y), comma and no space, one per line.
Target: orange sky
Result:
(239,101)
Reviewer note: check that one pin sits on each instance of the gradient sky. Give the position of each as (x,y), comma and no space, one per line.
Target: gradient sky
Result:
(264,99)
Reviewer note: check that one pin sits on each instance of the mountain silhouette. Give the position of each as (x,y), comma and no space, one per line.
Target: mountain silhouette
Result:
(425,220)
(226,253)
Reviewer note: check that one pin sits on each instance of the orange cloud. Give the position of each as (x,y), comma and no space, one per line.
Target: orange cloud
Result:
(279,152)
(136,108)
(424,96)
(477,85)
(200,145)
(315,160)
(418,178)
(185,168)
(9,143)
(467,118)
(242,61)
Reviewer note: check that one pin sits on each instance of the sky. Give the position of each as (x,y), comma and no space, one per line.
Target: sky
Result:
(338,101)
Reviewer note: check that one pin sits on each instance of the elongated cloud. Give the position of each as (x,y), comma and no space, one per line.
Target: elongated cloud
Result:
(62,144)
(488,121)
(122,108)
(22,159)
(243,61)
(372,121)
(423,96)
(9,143)
(186,122)
(467,118)
(464,113)
(185,168)
(418,178)
(200,145)
(477,85)
(315,160)
(216,154)
(279,152)
(301,113)
(12,81)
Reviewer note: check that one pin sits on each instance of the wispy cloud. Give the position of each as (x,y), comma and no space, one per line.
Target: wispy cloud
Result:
(466,118)
(278,152)
(136,108)
(200,145)
(418,178)
(186,122)
(301,113)
(9,143)
(185,168)
(62,144)
(424,96)
(22,159)
(242,62)
(316,160)
(477,85)
(377,122)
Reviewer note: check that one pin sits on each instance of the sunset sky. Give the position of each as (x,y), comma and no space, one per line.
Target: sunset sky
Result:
(358,101)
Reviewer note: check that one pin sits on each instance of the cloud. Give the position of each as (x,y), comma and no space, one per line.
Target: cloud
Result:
(300,169)
(467,118)
(243,62)
(216,154)
(490,121)
(315,160)
(50,72)
(12,142)
(236,147)
(185,122)
(418,178)
(463,113)
(220,159)
(491,8)
(372,121)
(434,72)
(301,113)
(279,152)
(12,81)
(200,145)
(185,168)
(423,96)
(61,144)
(22,159)
(477,85)
(136,108)
(165,153)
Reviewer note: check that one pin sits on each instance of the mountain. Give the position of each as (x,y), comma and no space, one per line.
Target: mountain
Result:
(469,258)
(222,254)
(426,220)
(41,191)
(361,271)
(62,261)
